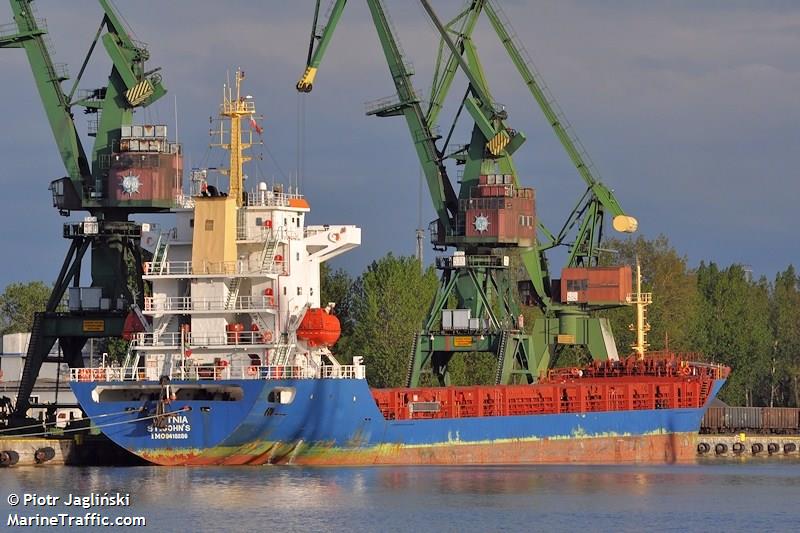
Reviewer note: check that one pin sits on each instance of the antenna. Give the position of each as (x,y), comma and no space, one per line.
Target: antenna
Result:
(178,184)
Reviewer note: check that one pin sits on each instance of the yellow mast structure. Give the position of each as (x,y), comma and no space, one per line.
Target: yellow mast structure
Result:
(216,218)
(641,300)
(235,107)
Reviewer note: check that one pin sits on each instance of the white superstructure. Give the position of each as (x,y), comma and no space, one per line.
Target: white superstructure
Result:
(232,281)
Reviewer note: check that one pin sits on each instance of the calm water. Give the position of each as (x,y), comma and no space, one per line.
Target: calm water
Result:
(753,496)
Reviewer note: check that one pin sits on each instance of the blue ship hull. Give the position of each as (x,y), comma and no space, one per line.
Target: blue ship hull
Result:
(337,422)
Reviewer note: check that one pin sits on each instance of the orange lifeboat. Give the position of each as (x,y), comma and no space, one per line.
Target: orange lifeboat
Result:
(319,328)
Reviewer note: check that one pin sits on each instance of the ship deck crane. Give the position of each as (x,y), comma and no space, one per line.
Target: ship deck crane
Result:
(88,187)
(476,274)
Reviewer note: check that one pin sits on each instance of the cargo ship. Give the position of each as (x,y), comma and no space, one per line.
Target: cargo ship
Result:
(230,359)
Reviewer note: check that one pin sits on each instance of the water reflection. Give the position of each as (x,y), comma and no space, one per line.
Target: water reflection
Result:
(625,498)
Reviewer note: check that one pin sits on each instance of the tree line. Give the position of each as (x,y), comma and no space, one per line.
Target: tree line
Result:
(720,314)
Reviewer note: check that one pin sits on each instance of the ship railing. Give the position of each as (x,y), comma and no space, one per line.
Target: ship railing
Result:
(655,364)
(310,232)
(270,198)
(250,233)
(199,372)
(238,106)
(221,268)
(155,304)
(202,372)
(200,340)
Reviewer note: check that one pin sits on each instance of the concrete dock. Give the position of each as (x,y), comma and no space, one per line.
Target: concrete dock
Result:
(748,445)
(76,450)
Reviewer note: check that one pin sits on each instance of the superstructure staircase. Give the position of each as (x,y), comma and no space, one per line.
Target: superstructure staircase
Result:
(164,326)
(159,261)
(262,326)
(288,340)
(268,255)
(233,293)
(282,353)
(131,364)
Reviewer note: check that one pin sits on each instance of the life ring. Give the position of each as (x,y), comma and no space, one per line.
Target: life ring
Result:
(252,371)
(266,336)
(686,371)
(334,237)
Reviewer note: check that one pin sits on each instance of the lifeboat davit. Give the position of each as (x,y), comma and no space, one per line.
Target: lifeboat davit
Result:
(319,328)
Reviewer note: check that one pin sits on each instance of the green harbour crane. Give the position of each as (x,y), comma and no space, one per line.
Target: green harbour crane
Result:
(492,213)
(91,185)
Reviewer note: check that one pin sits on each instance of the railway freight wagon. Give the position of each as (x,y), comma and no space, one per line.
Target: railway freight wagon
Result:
(778,420)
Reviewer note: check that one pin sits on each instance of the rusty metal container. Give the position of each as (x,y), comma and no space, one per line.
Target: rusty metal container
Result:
(743,419)
(779,419)
(597,285)
(503,219)
(145,178)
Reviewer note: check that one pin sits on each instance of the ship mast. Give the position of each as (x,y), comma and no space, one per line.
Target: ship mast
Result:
(641,300)
(235,107)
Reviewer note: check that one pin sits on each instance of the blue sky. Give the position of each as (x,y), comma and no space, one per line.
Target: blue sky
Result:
(689,110)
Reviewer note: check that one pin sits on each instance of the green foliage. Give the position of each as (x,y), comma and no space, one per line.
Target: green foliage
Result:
(785,317)
(736,330)
(116,348)
(387,305)
(335,287)
(666,274)
(475,368)
(18,303)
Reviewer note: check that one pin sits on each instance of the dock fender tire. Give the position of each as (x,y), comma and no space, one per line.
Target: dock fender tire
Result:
(757,448)
(737,448)
(8,458)
(772,447)
(789,447)
(42,455)
(721,448)
(703,448)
